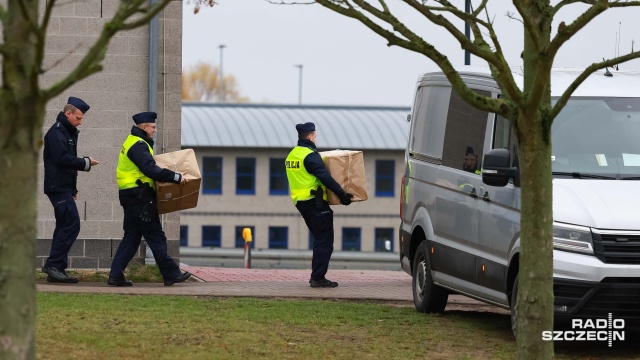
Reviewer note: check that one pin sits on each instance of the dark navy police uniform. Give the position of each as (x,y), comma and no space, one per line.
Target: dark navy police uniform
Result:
(140,217)
(61,166)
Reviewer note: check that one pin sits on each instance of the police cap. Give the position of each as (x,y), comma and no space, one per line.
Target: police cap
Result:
(305,128)
(79,104)
(145,117)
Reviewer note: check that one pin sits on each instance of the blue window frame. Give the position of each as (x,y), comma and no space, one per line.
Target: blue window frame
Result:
(385,173)
(351,239)
(184,235)
(245,176)
(384,239)
(240,239)
(278,237)
(278,184)
(211,236)
(212,175)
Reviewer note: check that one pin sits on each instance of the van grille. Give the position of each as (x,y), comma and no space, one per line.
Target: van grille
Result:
(619,296)
(617,248)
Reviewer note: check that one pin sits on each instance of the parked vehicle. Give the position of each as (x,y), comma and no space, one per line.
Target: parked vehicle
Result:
(460,202)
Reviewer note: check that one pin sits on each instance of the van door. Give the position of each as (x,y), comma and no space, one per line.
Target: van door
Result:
(459,185)
(498,220)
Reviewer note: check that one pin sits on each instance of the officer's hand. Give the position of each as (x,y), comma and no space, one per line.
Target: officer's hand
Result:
(346,199)
(183,180)
(75,197)
(93,161)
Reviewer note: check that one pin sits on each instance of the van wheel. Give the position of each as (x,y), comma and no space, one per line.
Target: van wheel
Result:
(428,297)
(514,311)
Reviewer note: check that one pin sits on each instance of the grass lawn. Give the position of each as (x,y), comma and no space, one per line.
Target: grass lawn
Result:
(80,326)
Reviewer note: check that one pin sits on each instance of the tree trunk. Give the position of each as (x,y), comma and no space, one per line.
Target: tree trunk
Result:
(535,290)
(18,215)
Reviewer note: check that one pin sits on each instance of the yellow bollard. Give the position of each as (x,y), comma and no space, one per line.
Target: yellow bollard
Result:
(246,235)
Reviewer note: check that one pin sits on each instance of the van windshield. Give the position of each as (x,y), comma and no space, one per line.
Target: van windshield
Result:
(597,138)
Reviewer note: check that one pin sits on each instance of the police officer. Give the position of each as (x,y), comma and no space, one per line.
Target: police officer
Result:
(136,175)
(308,181)
(61,166)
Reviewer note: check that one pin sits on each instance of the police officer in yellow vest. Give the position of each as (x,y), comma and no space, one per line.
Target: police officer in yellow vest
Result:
(136,175)
(308,182)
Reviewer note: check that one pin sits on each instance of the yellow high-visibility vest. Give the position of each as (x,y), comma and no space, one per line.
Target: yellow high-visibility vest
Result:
(300,181)
(127,172)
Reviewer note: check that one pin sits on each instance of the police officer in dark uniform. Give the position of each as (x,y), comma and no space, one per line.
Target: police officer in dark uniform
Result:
(136,175)
(61,166)
(309,180)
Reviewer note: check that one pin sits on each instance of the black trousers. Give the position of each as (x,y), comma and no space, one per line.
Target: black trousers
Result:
(66,232)
(319,220)
(134,230)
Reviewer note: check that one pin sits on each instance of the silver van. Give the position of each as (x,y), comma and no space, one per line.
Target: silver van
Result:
(460,226)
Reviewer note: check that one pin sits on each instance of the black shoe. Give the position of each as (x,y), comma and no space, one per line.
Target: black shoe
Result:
(179,279)
(58,276)
(324,283)
(119,282)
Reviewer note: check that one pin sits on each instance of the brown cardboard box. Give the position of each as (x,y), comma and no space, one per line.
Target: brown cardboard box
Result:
(347,168)
(173,197)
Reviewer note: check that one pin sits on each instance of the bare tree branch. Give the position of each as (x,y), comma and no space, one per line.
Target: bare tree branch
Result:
(585,74)
(42,33)
(566,32)
(528,25)
(25,14)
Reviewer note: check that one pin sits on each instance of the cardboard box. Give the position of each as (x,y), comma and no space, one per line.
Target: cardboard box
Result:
(173,197)
(347,168)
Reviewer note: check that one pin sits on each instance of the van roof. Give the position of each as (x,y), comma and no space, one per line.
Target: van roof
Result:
(621,84)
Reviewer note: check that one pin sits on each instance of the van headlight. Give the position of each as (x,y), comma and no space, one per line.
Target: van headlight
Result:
(572,238)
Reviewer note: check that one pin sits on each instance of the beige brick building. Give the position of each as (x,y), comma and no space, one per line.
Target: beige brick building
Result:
(126,86)
(241,150)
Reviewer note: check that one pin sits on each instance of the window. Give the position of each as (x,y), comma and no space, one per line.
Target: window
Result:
(211,236)
(385,172)
(384,239)
(184,235)
(278,184)
(428,120)
(240,239)
(278,237)
(212,175)
(351,239)
(245,176)
(464,135)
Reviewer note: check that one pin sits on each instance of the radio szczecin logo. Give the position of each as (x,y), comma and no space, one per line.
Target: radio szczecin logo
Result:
(608,330)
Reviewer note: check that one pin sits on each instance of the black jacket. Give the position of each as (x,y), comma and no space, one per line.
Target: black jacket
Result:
(142,158)
(61,161)
(315,166)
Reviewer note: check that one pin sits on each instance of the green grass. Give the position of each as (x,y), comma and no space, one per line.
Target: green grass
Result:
(81,326)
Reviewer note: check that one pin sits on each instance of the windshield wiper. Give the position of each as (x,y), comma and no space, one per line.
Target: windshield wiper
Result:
(577,175)
(631,178)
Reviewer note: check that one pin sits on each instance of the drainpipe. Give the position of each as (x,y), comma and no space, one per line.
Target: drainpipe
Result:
(153,67)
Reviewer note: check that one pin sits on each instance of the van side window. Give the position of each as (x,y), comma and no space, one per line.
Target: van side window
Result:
(428,120)
(505,138)
(464,135)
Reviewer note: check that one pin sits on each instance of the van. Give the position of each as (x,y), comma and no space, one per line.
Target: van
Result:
(460,224)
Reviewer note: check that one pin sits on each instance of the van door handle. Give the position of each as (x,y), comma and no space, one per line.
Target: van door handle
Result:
(473,193)
(486,197)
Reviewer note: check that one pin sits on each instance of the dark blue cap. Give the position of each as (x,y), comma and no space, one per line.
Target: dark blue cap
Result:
(305,128)
(79,104)
(145,117)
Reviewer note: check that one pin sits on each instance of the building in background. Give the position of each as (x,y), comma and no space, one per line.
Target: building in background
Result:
(241,150)
(126,86)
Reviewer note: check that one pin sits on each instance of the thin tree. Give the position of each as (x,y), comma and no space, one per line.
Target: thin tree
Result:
(23,102)
(201,83)
(529,110)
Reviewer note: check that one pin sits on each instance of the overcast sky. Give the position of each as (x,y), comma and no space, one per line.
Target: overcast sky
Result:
(345,63)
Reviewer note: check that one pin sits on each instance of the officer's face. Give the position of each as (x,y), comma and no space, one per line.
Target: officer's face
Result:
(312,137)
(149,129)
(75,118)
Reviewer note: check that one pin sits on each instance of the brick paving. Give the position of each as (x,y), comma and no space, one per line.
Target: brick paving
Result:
(276,283)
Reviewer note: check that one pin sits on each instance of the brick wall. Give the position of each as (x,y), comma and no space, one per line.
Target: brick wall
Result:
(114,94)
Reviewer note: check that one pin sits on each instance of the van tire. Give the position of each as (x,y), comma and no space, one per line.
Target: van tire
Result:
(514,311)
(427,297)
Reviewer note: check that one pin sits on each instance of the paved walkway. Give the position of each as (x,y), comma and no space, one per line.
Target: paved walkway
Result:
(276,283)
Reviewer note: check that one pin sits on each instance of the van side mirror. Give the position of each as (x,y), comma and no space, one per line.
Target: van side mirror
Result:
(496,169)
